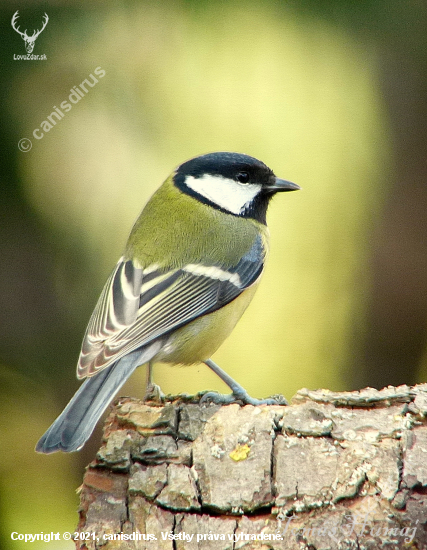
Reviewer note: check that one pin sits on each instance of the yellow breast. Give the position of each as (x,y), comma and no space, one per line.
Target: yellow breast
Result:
(200,339)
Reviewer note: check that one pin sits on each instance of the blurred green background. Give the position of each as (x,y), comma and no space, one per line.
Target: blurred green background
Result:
(332,94)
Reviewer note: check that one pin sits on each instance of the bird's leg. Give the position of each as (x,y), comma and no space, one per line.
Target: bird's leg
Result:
(149,375)
(152,391)
(239,393)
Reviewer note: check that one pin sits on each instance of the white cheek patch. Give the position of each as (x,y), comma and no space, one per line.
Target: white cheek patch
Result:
(226,193)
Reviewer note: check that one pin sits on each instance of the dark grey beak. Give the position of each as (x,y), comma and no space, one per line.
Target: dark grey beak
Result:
(282,185)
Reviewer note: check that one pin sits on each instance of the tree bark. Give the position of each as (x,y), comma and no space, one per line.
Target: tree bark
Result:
(329,471)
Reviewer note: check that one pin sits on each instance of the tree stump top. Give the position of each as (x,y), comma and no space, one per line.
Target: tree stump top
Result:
(330,470)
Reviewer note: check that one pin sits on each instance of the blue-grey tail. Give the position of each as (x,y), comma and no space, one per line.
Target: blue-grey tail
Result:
(75,424)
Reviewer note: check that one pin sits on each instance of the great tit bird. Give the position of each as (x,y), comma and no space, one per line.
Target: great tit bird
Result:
(191,266)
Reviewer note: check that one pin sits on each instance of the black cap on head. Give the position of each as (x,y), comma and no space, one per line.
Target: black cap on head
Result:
(227,165)
(235,167)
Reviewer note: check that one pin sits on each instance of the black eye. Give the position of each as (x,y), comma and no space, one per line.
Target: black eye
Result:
(243,177)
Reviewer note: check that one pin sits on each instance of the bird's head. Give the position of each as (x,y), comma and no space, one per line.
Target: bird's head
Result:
(231,182)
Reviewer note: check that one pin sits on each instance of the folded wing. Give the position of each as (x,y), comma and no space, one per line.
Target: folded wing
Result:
(139,305)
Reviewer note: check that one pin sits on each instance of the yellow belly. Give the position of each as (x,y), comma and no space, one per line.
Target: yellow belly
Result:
(200,339)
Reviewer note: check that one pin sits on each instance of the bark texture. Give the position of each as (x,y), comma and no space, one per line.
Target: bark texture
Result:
(330,471)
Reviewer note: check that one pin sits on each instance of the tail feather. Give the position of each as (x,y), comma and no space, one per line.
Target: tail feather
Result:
(75,424)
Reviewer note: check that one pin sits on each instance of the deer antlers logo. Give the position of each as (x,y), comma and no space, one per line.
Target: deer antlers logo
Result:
(29,40)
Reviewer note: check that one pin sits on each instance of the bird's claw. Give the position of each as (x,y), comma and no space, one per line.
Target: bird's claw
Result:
(243,397)
(215,398)
(154,393)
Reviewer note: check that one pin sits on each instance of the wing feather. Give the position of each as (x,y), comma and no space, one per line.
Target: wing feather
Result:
(138,306)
